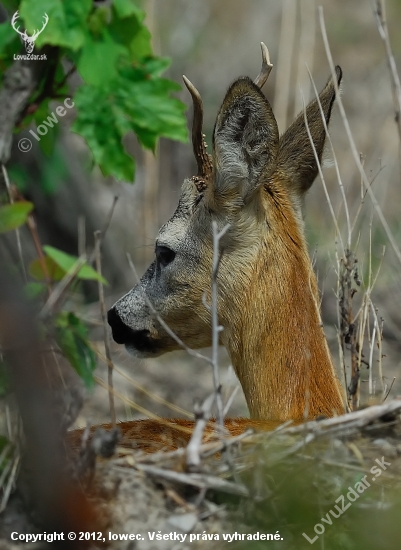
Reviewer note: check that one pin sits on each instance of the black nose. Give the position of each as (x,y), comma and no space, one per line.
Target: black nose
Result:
(121,333)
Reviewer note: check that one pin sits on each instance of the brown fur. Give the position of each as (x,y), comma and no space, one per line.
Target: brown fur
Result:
(268,297)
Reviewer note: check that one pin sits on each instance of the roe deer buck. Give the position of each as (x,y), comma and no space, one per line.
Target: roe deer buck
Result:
(268,304)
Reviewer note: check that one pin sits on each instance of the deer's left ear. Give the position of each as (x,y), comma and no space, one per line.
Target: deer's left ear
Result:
(296,160)
(245,140)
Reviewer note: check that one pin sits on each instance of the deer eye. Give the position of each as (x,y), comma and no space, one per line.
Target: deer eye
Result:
(164,255)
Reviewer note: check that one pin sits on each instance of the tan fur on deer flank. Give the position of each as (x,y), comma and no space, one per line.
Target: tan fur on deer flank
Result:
(268,301)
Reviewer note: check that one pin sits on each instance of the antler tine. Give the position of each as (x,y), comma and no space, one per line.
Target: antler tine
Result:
(37,32)
(203,159)
(13,23)
(266,67)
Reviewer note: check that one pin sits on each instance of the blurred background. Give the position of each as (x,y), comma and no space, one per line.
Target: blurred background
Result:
(212,43)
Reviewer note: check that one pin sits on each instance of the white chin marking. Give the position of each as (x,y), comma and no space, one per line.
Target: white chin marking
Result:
(140,354)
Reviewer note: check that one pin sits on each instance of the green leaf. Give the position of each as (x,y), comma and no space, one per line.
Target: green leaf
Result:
(102,53)
(14,215)
(67,262)
(131,33)
(67,25)
(54,271)
(136,101)
(151,109)
(97,124)
(7,35)
(72,337)
(125,8)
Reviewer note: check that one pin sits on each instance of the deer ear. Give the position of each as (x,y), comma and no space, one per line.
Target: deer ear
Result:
(245,140)
(296,159)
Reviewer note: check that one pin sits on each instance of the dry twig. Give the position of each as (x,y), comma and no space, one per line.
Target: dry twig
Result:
(197,480)
(202,415)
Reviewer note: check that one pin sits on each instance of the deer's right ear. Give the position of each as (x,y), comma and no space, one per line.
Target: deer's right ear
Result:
(245,140)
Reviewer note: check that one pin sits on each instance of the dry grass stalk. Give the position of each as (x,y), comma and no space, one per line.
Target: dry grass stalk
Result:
(106,337)
(354,150)
(216,328)
(381,21)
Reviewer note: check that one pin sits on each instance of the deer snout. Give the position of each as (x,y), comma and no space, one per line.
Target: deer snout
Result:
(123,334)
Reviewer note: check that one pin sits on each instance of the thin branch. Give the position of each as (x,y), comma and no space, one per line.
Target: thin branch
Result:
(216,328)
(196,480)
(352,421)
(55,299)
(106,338)
(209,448)
(202,415)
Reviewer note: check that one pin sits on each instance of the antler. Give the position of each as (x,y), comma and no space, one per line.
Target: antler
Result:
(203,159)
(266,67)
(37,33)
(13,21)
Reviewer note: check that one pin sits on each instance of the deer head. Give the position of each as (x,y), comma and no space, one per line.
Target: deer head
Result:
(29,41)
(255,181)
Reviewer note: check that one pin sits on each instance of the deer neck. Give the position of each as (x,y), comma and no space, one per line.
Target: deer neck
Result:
(277,344)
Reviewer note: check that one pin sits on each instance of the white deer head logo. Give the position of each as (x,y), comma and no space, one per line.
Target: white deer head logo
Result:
(29,41)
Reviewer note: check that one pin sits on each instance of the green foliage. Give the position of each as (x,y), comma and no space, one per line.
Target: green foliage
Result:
(122,91)
(14,215)
(66,263)
(72,337)
(67,21)
(130,103)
